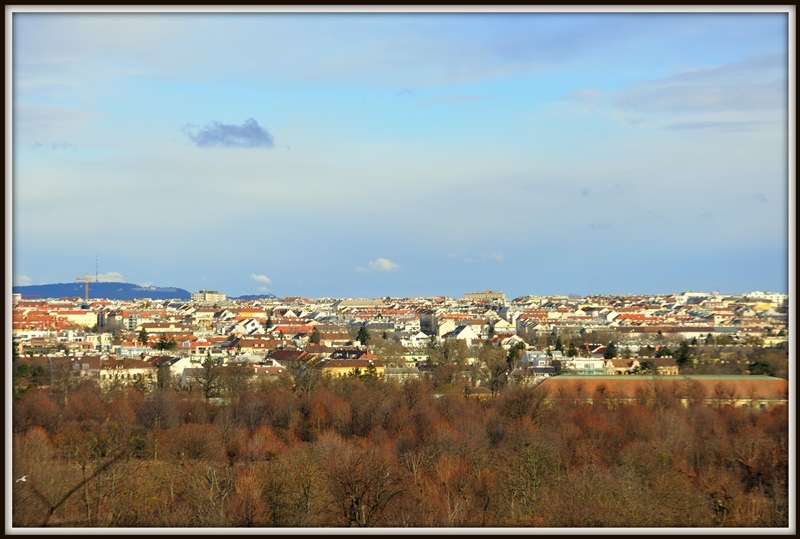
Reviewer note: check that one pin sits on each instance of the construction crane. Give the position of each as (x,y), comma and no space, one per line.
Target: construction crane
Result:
(98,278)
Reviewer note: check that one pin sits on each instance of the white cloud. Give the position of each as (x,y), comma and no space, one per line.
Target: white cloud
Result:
(382,264)
(22,280)
(260,278)
(110,276)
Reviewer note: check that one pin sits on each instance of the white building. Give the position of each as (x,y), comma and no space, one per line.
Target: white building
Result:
(207,296)
(585,366)
(464,333)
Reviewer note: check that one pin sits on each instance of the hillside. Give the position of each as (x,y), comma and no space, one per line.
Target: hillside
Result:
(252,297)
(123,291)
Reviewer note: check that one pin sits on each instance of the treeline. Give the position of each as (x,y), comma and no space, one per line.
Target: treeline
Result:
(354,452)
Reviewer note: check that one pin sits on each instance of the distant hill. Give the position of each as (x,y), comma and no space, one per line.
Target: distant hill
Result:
(124,291)
(259,296)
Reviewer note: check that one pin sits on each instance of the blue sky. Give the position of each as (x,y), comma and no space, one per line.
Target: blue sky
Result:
(403,154)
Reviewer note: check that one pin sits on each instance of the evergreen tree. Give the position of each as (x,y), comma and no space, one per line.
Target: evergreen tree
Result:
(683,355)
(572,351)
(647,367)
(371,373)
(143,336)
(762,367)
(513,355)
(664,352)
(166,343)
(363,335)
(611,351)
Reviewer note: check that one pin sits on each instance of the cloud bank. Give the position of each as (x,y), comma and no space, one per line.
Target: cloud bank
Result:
(110,276)
(22,280)
(247,135)
(261,278)
(381,264)
(483,257)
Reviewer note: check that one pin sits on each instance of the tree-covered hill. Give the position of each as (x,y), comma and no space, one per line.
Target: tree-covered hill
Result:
(124,291)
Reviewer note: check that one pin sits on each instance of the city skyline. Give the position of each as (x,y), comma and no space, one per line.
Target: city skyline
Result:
(404,154)
(53,291)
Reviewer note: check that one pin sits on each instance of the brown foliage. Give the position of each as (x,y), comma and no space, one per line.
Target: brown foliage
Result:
(525,401)
(636,422)
(85,405)
(195,442)
(246,507)
(264,445)
(250,410)
(350,453)
(158,410)
(362,479)
(35,408)
(194,409)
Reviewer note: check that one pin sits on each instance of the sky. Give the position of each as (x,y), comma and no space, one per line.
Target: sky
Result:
(331,154)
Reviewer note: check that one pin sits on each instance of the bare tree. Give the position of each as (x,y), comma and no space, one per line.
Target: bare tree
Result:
(362,481)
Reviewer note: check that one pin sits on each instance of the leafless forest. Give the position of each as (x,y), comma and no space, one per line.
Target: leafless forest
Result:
(364,452)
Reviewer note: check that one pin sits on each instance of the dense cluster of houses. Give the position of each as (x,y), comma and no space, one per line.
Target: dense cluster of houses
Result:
(114,341)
